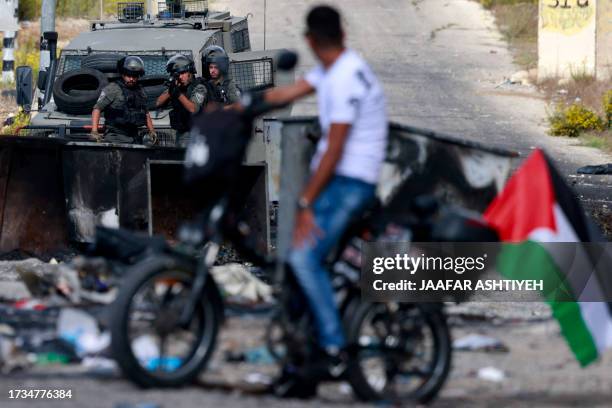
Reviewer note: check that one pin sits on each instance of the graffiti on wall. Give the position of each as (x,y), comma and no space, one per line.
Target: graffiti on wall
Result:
(566,16)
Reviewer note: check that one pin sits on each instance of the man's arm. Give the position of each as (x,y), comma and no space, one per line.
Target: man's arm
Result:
(150,123)
(233,95)
(106,98)
(95,119)
(338,133)
(162,99)
(288,93)
(187,104)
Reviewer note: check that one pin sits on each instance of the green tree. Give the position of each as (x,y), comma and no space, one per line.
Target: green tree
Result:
(29,9)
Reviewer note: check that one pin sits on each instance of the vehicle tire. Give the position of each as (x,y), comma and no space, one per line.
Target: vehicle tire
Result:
(104,62)
(77,91)
(112,76)
(156,271)
(412,321)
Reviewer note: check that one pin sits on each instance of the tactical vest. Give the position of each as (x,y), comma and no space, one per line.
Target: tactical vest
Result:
(133,113)
(218,92)
(180,118)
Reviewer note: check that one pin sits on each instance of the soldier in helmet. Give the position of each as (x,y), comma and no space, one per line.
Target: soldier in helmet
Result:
(186,96)
(215,67)
(124,105)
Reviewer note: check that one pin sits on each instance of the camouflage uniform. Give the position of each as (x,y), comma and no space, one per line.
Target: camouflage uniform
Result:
(180,118)
(133,112)
(225,91)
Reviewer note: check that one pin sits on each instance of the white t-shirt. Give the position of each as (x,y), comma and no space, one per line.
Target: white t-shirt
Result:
(349,93)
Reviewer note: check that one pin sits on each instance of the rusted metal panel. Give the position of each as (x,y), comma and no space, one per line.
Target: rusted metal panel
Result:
(90,179)
(33,216)
(5,161)
(55,192)
(172,203)
(108,185)
(458,172)
(418,162)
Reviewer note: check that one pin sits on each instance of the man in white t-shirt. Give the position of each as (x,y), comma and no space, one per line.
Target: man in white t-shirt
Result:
(344,169)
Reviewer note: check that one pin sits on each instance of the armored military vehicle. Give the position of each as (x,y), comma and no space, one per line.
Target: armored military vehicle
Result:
(67,92)
(56,183)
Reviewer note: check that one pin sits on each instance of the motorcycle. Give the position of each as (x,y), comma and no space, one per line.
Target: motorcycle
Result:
(398,351)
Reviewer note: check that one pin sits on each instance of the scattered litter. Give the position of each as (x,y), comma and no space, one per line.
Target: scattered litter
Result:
(258,355)
(238,282)
(491,374)
(168,364)
(81,330)
(100,365)
(29,304)
(506,81)
(6,348)
(258,378)
(477,342)
(83,279)
(145,348)
(598,169)
(51,358)
(11,358)
(147,352)
(53,349)
(345,389)
(521,77)
(6,330)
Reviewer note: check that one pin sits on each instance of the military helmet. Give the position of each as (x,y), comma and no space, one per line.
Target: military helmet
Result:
(131,65)
(179,64)
(215,55)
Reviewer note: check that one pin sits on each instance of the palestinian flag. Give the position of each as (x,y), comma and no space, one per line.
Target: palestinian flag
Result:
(546,235)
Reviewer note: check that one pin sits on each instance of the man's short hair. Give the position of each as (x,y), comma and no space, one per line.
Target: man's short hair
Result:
(323,25)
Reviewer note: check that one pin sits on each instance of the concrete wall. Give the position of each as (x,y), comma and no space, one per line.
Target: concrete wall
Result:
(604,39)
(566,37)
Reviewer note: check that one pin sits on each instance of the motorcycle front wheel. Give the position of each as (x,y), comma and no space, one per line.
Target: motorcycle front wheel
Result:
(147,342)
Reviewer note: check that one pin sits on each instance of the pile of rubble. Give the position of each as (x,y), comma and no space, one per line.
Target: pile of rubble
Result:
(58,313)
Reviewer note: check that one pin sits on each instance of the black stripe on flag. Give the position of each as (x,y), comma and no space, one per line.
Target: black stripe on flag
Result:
(585,229)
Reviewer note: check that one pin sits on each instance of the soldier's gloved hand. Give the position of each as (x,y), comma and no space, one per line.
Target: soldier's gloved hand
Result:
(96,135)
(150,138)
(174,91)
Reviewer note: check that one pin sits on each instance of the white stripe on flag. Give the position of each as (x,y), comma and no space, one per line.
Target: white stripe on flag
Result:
(596,316)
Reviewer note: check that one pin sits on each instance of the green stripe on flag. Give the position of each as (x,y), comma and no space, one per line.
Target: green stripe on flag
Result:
(574,330)
(530,260)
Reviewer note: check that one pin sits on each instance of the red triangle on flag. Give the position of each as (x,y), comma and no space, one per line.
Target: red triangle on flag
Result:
(526,202)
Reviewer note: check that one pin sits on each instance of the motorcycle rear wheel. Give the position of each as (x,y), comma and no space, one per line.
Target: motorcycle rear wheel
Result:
(402,352)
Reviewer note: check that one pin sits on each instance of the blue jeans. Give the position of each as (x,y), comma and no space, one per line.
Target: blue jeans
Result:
(341,202)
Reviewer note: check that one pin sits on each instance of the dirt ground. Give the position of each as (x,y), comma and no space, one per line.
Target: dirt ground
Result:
(538,371)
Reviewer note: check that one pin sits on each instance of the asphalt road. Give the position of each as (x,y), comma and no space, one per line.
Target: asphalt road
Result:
(442,63)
